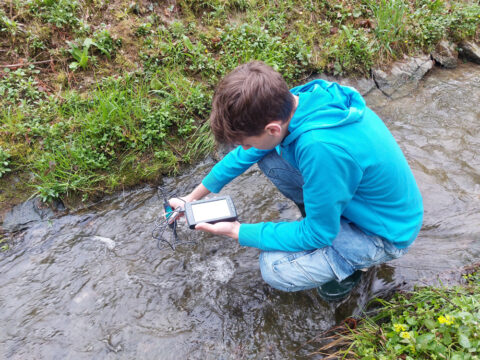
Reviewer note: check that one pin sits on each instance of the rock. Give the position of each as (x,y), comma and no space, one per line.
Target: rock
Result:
(30,211)
(446,54)
(403,77)
(470,51)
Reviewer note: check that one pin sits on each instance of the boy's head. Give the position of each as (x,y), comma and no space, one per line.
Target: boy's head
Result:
(246,100)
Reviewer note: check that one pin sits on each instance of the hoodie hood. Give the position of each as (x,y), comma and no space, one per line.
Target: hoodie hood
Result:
(324,104)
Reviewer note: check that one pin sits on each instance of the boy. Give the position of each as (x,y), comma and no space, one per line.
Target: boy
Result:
(333,156)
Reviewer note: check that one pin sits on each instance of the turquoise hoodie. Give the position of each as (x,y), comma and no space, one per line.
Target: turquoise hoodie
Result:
(351,166)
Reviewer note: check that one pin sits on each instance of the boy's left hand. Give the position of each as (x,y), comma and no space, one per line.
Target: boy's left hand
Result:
(227,228)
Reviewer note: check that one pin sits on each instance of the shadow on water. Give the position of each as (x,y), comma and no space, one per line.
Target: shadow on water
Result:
(95,285)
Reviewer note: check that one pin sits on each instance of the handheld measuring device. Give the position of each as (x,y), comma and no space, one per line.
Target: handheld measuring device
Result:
(210,211)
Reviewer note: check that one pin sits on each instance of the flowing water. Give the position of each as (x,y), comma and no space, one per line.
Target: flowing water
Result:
(94,284)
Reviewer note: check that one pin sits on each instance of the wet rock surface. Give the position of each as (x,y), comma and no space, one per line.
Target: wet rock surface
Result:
(403,77)
(471,51)
(446,54)
(31,211)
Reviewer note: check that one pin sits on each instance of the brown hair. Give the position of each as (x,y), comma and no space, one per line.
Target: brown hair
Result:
(246,100)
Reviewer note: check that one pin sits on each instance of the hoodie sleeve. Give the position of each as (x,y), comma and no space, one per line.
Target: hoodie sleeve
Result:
(331,177)
(232,165)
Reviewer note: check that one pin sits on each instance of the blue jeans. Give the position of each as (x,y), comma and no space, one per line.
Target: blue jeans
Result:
(351,250)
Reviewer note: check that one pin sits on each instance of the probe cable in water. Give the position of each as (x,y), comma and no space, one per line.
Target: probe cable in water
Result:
(211,211)
(168,219)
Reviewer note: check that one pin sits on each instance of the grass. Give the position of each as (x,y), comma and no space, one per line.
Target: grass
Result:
(97,95)
(427,323)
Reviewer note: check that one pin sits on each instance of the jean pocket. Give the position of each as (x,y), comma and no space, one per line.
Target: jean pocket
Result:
(386,251)
(302,270)
(341,267)
(291,257)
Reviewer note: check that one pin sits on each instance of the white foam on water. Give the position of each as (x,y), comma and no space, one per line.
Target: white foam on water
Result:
(107,241)
(220,269)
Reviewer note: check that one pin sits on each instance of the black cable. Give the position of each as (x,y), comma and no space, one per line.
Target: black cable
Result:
(163,223)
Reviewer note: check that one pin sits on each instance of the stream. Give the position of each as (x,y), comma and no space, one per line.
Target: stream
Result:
(95,285)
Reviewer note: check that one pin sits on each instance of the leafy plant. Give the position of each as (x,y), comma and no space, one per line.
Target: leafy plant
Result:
(105,43)
(246,42)
(143,29)
(350,51)
(19,88)
(7,25)
(61,13)
(4,162)
(427,323)
(80,54)
(465,20)
(3,244)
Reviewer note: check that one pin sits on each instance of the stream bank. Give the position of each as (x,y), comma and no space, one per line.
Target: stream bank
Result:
(93,283)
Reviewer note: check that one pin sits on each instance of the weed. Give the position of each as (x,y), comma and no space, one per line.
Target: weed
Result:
(350,51)
(61,13)
(465,21)
(423,324)
(4,162)
(3,244)
(80,54)
(6,25)
(19,87)
(246,42)
(125,129)
(105,43)
(144,29)
(390,18)
(102,41)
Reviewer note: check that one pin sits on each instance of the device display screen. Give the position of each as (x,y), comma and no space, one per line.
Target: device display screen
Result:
(210,210)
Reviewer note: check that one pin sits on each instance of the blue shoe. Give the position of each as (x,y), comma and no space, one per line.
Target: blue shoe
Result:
(334,290)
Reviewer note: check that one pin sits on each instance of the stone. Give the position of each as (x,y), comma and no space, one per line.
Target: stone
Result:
(403,77)
(446,54)
(32,210)
(470,50)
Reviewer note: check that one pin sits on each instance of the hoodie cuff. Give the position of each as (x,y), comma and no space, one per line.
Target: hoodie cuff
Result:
(249,235)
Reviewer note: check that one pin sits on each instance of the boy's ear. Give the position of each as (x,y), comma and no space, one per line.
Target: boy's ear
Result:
(273,128)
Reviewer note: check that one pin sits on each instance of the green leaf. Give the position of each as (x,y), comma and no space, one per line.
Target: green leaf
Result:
(88,42)
(458,356)
(187,43)
(424,340)
(430,324)
(411,320)
(447,338)
(464,341)
(155,84)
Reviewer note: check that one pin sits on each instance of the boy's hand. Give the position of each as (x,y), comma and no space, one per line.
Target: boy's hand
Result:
(178,202)
(227,228)
(177,205)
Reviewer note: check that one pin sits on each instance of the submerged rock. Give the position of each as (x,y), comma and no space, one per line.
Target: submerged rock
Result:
(446,54)
(403,77)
